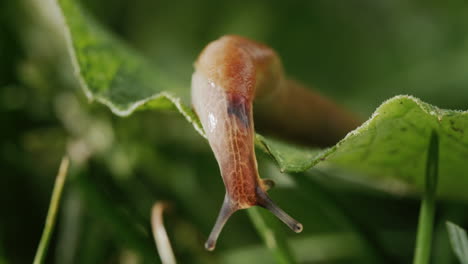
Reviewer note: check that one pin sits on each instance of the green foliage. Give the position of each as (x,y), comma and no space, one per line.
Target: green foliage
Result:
(459,242)
(390,146)
(136,55)
(112,74)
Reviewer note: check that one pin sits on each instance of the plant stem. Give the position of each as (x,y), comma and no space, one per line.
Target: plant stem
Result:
(424,236)
(427,212)
(52,213)
(163,245)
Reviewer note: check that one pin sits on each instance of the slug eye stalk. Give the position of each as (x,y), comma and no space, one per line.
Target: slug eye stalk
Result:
(227,209)
(229,74)
(267,203)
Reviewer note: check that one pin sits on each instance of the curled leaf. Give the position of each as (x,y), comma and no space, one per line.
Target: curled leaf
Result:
(387,151)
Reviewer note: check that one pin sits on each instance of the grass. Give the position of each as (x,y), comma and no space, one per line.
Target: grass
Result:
(52,213)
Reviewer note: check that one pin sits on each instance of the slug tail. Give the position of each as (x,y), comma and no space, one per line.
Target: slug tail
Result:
(265,201)
(227,209)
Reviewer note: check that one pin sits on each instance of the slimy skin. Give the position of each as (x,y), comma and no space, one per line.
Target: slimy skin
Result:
(230,74)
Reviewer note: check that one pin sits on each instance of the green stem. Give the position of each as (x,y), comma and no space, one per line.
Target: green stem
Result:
(52,213)
(273,239)
(425,226)
(427,212)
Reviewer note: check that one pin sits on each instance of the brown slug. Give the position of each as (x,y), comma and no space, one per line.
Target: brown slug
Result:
(229,74)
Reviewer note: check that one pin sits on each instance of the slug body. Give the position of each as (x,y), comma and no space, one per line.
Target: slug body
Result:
(230,73)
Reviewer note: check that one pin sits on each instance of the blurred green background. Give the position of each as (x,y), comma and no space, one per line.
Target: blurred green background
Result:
(359,53)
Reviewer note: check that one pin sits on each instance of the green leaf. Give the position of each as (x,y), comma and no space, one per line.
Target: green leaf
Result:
(459,242)
(111,73)
(388,150)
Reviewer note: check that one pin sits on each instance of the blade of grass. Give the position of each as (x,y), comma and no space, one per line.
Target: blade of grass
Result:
(459,242)
(160,235)
(442,249)
(427,212)
(52,213)
(274,240)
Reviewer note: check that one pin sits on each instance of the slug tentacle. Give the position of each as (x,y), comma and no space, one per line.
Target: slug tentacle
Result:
(227,209)
(265,202)
(229,74)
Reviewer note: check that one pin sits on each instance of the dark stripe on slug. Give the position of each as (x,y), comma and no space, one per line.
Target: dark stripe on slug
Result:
(238,107)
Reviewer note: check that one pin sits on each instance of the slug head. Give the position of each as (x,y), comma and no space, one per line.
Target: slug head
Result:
(263,200)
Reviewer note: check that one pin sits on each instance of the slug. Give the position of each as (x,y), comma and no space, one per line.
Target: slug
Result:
(230,74)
